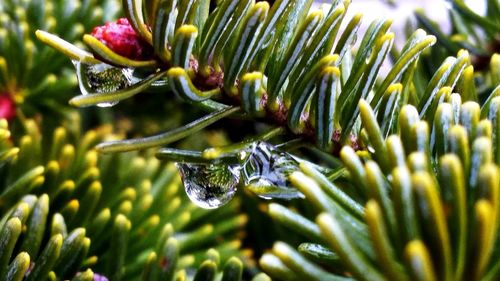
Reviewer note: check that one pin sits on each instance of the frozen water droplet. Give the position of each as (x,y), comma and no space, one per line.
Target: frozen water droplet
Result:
(209,185)
(266,169)
(103,78)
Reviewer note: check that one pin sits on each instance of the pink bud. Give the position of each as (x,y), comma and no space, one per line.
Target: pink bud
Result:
(120,37)
(7,107)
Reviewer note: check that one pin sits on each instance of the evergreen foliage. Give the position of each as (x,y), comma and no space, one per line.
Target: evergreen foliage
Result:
(68,209)
(400,170)
(32,76)
(419,206)
(477,34)
(280,64)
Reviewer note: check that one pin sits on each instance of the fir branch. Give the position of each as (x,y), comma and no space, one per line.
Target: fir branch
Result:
(444,175)
(124,216)
(281,97)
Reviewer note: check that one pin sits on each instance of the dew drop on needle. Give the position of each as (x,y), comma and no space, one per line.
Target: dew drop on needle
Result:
(266,169)
(209,186)
(103,78)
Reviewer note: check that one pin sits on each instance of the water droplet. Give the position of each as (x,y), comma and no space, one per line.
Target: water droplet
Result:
(369,55)
(266,170)
(209,185)
(103,78)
